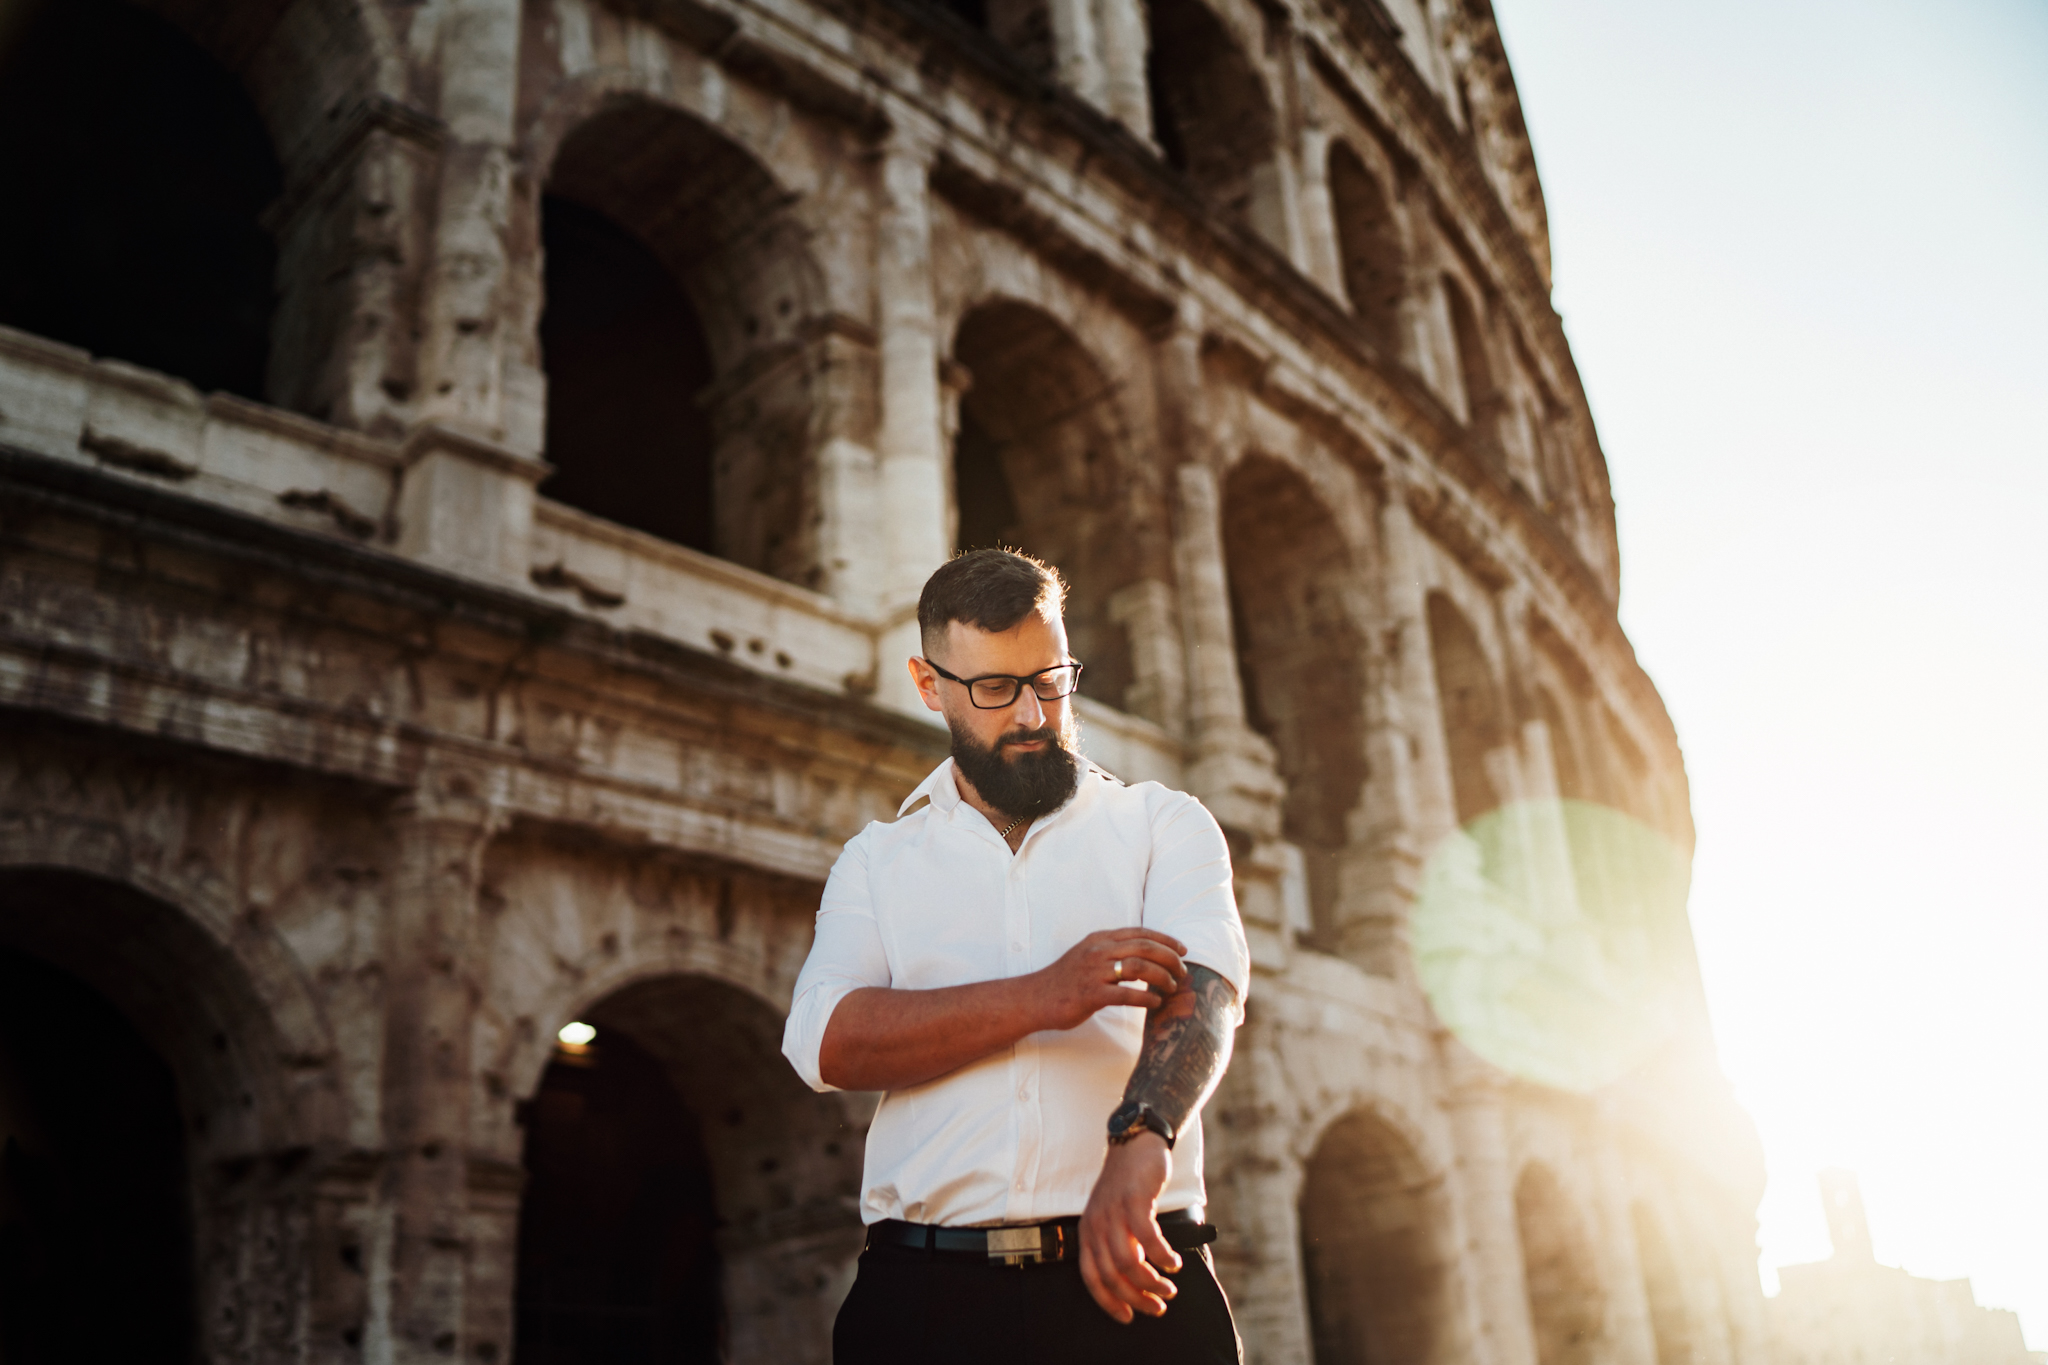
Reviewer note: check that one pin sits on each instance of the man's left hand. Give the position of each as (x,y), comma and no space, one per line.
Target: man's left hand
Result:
(1121,1243)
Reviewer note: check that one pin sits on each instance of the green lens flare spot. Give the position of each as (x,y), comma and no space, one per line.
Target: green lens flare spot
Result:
(1551,938)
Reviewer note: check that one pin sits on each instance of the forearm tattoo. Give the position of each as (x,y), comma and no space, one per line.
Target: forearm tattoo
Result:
(1187,1044)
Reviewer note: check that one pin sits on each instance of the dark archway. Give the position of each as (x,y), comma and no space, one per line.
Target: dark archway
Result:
(1211,114)
(1567,1305)
(1041,462)
(618,1262)
(133,175)
(95,1216)
(1473,721)
(727,1226)
(1375,1260)
(677,339)
(626,362)
(1301,656)
(1368,247)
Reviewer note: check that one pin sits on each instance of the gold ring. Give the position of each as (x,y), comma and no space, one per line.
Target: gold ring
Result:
(1118,968)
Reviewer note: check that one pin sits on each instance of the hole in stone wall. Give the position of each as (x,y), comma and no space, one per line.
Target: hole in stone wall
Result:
(1039,463)
(1373,1228)
(1475,370)
(1023,26)
(1301,656)
(1566,1303)
(133,170)
(617,1262)
(93,1194)
(1368,246)
(626,359)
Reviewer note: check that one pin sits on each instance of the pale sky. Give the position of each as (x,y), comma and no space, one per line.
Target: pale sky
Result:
(1802,255)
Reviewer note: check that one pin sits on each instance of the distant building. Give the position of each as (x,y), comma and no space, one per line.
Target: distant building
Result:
(1849,1310)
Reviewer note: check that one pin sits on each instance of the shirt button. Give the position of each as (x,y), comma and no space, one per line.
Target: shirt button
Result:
(1023,1092)
(1016,947)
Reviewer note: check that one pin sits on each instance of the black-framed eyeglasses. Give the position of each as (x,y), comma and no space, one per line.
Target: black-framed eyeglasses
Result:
(994,691)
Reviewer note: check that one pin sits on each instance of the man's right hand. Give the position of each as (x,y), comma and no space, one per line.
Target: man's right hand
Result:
(1087,976)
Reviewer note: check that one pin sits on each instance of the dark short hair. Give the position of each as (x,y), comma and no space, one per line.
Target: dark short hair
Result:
(991,590)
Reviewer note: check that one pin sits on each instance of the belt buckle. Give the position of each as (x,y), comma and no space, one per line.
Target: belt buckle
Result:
(1016,1246)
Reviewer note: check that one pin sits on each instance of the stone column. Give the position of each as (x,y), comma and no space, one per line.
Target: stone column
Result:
(1254,1193)
(432,1246)
(1484,1186)
(1325,263)
(1631,1338)
(463,312)
(1127,98)
(1077,50)
(914,459)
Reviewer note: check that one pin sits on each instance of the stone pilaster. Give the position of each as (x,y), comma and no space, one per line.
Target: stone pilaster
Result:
(439,1231)
(1484,1186)
(463,319)
(1128,100)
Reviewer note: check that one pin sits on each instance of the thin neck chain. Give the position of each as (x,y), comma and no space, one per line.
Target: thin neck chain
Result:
(1005,835)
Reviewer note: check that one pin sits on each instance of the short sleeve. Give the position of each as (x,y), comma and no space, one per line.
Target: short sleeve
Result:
(1188,891)
(846,956)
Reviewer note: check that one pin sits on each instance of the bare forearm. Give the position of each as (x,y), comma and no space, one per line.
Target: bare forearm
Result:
(1187,1045)
(887,1039)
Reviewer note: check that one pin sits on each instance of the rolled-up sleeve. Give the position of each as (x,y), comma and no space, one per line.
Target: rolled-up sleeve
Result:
(1188,891)
(846,955)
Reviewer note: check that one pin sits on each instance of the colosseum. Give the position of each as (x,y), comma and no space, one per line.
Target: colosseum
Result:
(466,468)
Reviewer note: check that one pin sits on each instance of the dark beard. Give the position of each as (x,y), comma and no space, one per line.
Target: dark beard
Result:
(1023,785)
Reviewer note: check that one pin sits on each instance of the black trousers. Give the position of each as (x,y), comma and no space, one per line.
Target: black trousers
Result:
(913,1307)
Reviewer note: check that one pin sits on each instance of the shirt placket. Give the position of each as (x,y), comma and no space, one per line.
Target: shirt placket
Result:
(1029,1125)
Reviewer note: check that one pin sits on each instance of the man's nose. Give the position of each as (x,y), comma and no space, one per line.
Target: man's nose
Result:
(1028,709)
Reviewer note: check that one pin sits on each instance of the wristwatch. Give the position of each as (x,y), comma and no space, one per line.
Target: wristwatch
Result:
(1133,1117)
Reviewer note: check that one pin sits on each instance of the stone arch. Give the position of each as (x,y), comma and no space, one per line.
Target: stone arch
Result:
(754,1202)
(1301,651)
(1212,114)
(1377,1253)
(1567,1304)
(1043,461)
(1475,723)
(1663,1288)
(682,317)
(242,1143)
(1368,246)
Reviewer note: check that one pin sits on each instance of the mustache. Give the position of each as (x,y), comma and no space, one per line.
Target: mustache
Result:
(1044,732)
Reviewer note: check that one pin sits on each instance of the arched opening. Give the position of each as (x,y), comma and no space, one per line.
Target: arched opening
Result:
(1041,463)
(618,1259)
(673,336)
(1374,1260)
(1475,369)
(626,361)
(94,1203)
(1301,655)
(1567,1306)
(1211,115)
(1473,723)
(1368,247)
(725,1224)
(136,172)
(1669,1322)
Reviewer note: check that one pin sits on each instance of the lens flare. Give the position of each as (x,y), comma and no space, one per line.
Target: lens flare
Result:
(1551,938)
(578,1034)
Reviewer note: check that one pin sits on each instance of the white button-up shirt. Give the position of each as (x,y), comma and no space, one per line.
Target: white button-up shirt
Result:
(937,899)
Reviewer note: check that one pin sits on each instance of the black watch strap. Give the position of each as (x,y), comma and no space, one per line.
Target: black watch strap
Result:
(1133,1117)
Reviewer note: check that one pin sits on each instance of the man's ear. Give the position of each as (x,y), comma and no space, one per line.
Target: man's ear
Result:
(926,682)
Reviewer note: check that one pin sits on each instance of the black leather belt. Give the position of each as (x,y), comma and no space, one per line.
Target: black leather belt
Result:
(1026,1244)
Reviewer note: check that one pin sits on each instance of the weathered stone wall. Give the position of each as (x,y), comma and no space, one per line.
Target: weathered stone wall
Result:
(349,766)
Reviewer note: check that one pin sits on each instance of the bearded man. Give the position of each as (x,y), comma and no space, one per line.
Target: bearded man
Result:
(1042,968)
